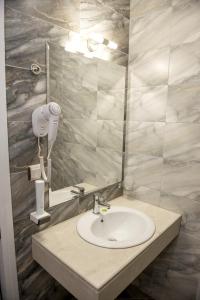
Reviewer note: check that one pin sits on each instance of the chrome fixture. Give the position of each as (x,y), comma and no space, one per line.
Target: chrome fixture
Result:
(99,201)
(80,192)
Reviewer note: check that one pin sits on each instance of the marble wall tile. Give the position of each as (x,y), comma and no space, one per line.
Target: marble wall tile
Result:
(108,166)
(110,76)
(182,142)
(185,64)
(181,179)
(23,146)
(110,105)
(185,22)
(141,172)
(121,7)
(26,38)
(183,104)
(62,13)
(24,92)
(151,31)
(96,17)
(141,7)
(145,138)
(110,134)
(142,193)
(73,164)
(81,131)
(147,104)
(149,69)
(23,199)
(79,103)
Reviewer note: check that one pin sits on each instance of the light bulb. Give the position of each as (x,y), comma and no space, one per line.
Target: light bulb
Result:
(112,45)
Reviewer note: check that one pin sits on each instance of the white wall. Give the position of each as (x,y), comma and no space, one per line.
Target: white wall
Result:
(8,272)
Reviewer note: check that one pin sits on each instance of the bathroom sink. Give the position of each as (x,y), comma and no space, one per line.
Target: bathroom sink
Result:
(119,227)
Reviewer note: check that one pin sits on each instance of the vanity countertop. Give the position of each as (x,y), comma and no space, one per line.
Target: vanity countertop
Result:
(88,271)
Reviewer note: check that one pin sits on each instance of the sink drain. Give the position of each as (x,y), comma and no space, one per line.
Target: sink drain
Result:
(112,239)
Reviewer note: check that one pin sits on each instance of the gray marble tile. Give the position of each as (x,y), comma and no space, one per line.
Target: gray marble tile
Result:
(23,195)
(80,131)
(143,193)
(149,32)
(121,7)
(24,92)
(182,142)
(108,166)
(149,69)
(141,7)
(142,174)
(110,105)
(26,39)
(147,104)
(185,22)
(62,13)
(110,134)
(185,64)
(111,76)
(183,104)
(23,148)
(190,211)
(96,17)
(145,138)
(72,164)
(181,179)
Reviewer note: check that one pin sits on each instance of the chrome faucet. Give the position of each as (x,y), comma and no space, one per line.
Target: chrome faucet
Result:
(99,201)
(80,192)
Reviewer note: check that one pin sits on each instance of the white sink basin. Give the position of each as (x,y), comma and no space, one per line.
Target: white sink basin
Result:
(122,227)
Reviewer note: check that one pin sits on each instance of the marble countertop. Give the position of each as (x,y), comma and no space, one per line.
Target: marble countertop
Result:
(95,265)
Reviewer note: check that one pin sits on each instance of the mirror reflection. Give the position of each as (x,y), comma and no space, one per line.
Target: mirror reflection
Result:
(88,151)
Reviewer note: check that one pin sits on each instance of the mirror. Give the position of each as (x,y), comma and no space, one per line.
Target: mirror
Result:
(88,151)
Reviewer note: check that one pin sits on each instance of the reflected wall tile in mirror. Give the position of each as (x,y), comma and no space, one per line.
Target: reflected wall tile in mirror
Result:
(150,32)
(99,18)
(26,39)
(63,13)
(80,131)
(109,165)
(145,138)
(78,103)
(183,104)
(143,171)
(23,95)
(110,105)
(182,142)
(184,64)
(141,7)
(181,179)
(147,104)
(110,76)
(79,70)
(76,164)
(149,69)
(121,7)
(110,134)
(185,22)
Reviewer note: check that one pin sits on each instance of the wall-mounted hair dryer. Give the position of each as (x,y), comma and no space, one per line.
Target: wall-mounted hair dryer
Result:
(45,121)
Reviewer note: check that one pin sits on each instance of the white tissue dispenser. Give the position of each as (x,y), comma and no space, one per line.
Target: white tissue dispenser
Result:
(40,216)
